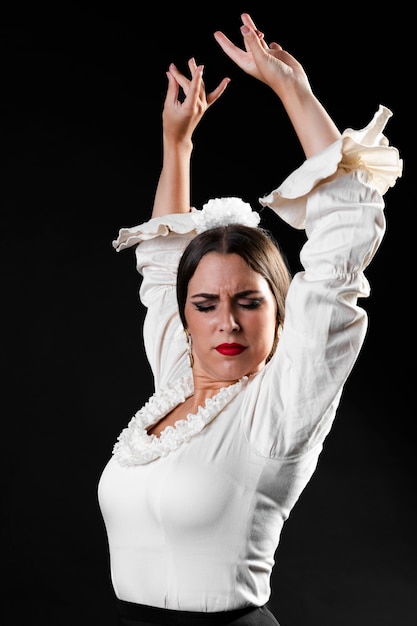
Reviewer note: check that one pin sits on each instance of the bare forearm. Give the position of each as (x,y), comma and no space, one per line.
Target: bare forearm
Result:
(173,189)
(312,124)
(180,118)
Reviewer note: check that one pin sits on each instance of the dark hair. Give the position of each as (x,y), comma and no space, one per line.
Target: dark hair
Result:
(257,248)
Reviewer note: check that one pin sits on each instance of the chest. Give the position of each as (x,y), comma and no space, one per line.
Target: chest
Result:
(194,488)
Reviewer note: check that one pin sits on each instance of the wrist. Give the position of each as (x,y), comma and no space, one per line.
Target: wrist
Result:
(182,146)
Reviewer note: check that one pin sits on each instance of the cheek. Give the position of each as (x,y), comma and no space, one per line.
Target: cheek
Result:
(189,314)
(265,322)
(197,323)
(269,326)
(268,330)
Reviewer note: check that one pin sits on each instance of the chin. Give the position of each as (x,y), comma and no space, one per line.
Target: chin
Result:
(227,371)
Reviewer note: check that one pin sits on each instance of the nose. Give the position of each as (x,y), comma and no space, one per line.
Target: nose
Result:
(228,321)
(233,327)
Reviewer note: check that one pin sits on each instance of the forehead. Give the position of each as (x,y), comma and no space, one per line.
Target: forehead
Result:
(217,271)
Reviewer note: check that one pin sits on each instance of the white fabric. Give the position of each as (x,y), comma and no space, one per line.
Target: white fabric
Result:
(194,518)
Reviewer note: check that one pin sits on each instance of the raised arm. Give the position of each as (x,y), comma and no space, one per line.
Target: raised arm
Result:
(179,120)
(286,77)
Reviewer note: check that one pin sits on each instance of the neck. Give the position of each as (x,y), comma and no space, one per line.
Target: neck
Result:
(205,385)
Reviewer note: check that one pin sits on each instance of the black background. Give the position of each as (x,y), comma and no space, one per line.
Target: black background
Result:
(82,94)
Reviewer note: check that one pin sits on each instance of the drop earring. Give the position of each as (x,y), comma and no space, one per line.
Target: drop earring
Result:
(189,351)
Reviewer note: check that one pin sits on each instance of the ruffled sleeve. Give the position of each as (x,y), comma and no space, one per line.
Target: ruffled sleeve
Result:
(159,244)
(180,223)
(337,197)
(366,151)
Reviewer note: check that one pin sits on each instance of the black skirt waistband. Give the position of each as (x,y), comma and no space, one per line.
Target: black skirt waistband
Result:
(131,613)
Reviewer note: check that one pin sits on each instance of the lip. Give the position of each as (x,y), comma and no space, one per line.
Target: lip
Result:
(230,349)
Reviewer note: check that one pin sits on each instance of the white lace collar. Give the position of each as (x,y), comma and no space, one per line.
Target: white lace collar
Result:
(135,447)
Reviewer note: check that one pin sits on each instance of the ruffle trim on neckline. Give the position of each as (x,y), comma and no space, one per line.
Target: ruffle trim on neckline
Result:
(135,447)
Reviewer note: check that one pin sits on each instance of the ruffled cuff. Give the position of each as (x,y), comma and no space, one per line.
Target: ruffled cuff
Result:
(180,223)
(366,150)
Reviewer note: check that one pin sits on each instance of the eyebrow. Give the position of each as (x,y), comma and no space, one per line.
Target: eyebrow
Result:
(240,294)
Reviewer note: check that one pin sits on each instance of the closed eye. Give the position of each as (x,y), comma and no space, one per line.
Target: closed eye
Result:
(252,304)
(246,304)
(204,308)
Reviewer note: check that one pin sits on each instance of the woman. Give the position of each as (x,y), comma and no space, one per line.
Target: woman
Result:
(249,366)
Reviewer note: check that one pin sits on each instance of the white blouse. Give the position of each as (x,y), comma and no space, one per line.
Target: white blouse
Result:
(194,517)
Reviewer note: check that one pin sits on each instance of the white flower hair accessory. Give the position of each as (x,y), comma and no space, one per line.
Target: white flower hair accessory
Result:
(225,211)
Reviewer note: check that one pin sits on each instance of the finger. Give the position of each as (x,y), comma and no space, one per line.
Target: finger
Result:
(285,57)
(236,54)
(193,68)
(216,93)
(275,46)
(182,80)
(252,42)
(172,90)
(265,46)
(194,87)
(248,21)
(192,65)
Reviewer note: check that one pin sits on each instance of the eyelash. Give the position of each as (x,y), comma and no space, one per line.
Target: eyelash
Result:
(205,309)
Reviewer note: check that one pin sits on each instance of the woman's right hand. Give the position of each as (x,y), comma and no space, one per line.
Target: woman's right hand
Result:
(180,117)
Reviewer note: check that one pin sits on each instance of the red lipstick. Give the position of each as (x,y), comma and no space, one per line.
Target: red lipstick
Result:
(230,349)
